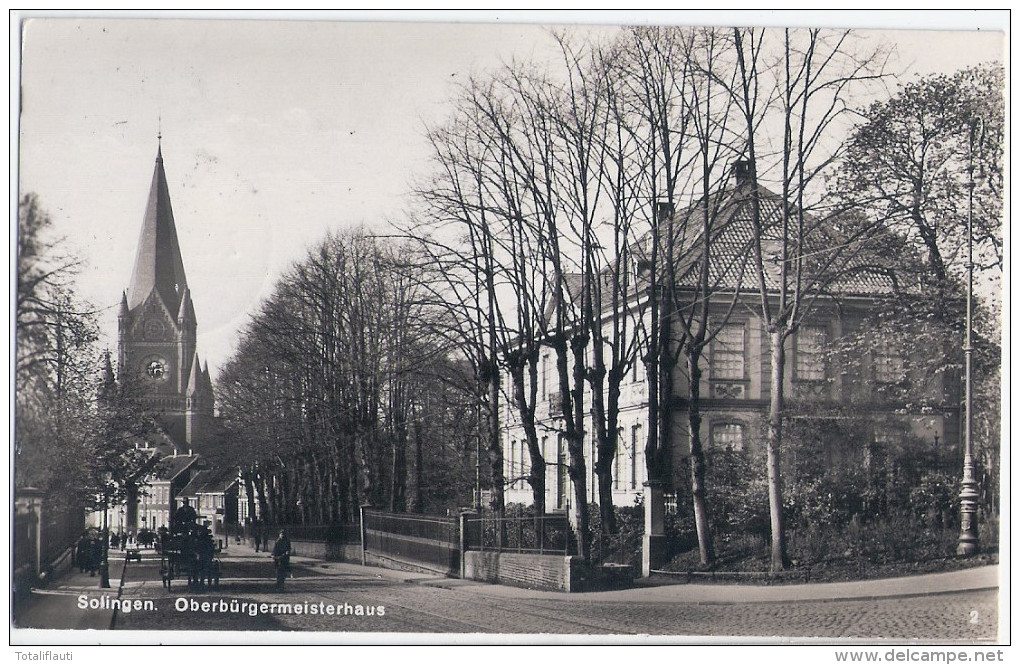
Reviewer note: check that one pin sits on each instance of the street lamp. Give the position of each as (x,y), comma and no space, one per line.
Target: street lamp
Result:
(968,542)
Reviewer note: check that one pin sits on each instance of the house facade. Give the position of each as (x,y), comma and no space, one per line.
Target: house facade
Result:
(883,385)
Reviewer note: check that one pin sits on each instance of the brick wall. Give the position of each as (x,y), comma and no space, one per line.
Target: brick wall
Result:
(532,571)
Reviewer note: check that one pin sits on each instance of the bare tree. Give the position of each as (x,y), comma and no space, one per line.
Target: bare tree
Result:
(792,91)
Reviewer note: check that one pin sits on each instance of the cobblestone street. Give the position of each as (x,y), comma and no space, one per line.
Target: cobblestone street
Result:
(402,603)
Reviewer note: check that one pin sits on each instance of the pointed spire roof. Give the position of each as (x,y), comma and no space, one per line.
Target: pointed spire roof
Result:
(187,309)
(158,263)
(205,376)
(194,376)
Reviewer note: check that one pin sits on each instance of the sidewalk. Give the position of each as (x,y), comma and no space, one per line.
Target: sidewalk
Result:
(56,606)
(971,579)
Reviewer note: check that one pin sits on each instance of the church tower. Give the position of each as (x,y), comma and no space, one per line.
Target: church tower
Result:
(157,355)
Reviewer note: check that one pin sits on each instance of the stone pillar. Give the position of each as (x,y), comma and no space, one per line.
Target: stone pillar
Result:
(653,541)
(466,537)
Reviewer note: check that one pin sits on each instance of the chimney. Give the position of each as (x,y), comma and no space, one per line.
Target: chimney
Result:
(743,172)
(663,212)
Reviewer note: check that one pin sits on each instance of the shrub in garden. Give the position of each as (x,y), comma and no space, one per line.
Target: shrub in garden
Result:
(934,499)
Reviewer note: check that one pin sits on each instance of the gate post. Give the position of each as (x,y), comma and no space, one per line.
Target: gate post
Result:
(464,537)
(653,541)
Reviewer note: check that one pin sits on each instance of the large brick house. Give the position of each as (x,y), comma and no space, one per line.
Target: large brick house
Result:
(884,384)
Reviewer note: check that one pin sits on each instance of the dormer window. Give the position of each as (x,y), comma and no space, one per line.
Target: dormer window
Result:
(643,269)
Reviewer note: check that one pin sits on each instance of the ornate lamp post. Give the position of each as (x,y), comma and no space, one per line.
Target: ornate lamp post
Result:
(968,542)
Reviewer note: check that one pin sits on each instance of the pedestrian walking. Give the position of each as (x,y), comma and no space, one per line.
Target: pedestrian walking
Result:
(81,553)
(281,558)
(94,555)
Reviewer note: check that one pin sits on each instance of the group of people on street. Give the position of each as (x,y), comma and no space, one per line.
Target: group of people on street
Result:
(188,548)
(259,532)
(88,552)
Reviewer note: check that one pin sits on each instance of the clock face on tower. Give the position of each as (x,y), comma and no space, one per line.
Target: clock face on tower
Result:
(153,329)
(155,369)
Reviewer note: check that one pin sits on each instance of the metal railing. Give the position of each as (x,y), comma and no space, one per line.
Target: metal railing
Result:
(549,534)
(341,534)
(424,541)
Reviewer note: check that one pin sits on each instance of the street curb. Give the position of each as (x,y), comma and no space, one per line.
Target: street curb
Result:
(702,595)
(634,595)
(456,584)
(461,584)
(120,590)
(841,599)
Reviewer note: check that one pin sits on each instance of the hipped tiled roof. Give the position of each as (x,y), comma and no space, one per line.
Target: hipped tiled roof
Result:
(732,246)
(732,249)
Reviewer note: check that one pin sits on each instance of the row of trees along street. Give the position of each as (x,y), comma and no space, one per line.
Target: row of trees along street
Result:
(75,433)
(342,375)
(573,209)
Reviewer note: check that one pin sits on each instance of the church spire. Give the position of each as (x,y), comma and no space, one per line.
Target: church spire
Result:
(158,263)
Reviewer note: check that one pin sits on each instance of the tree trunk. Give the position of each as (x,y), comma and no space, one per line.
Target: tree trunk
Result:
(398,475)
(578,469)
(495,445)
(706,547)
(249,492)
(774,439)
(418,503)
(526,412)
(605,420)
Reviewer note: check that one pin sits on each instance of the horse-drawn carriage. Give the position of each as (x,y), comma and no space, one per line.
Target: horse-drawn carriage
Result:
(189,552)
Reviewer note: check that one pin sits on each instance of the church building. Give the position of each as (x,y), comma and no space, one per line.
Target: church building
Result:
(157,329)
(158,364)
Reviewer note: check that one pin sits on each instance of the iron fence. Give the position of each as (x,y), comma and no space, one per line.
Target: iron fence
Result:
(424,541)
(549,534)
(339,534)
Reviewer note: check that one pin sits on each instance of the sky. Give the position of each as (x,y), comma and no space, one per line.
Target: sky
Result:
(276,131)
